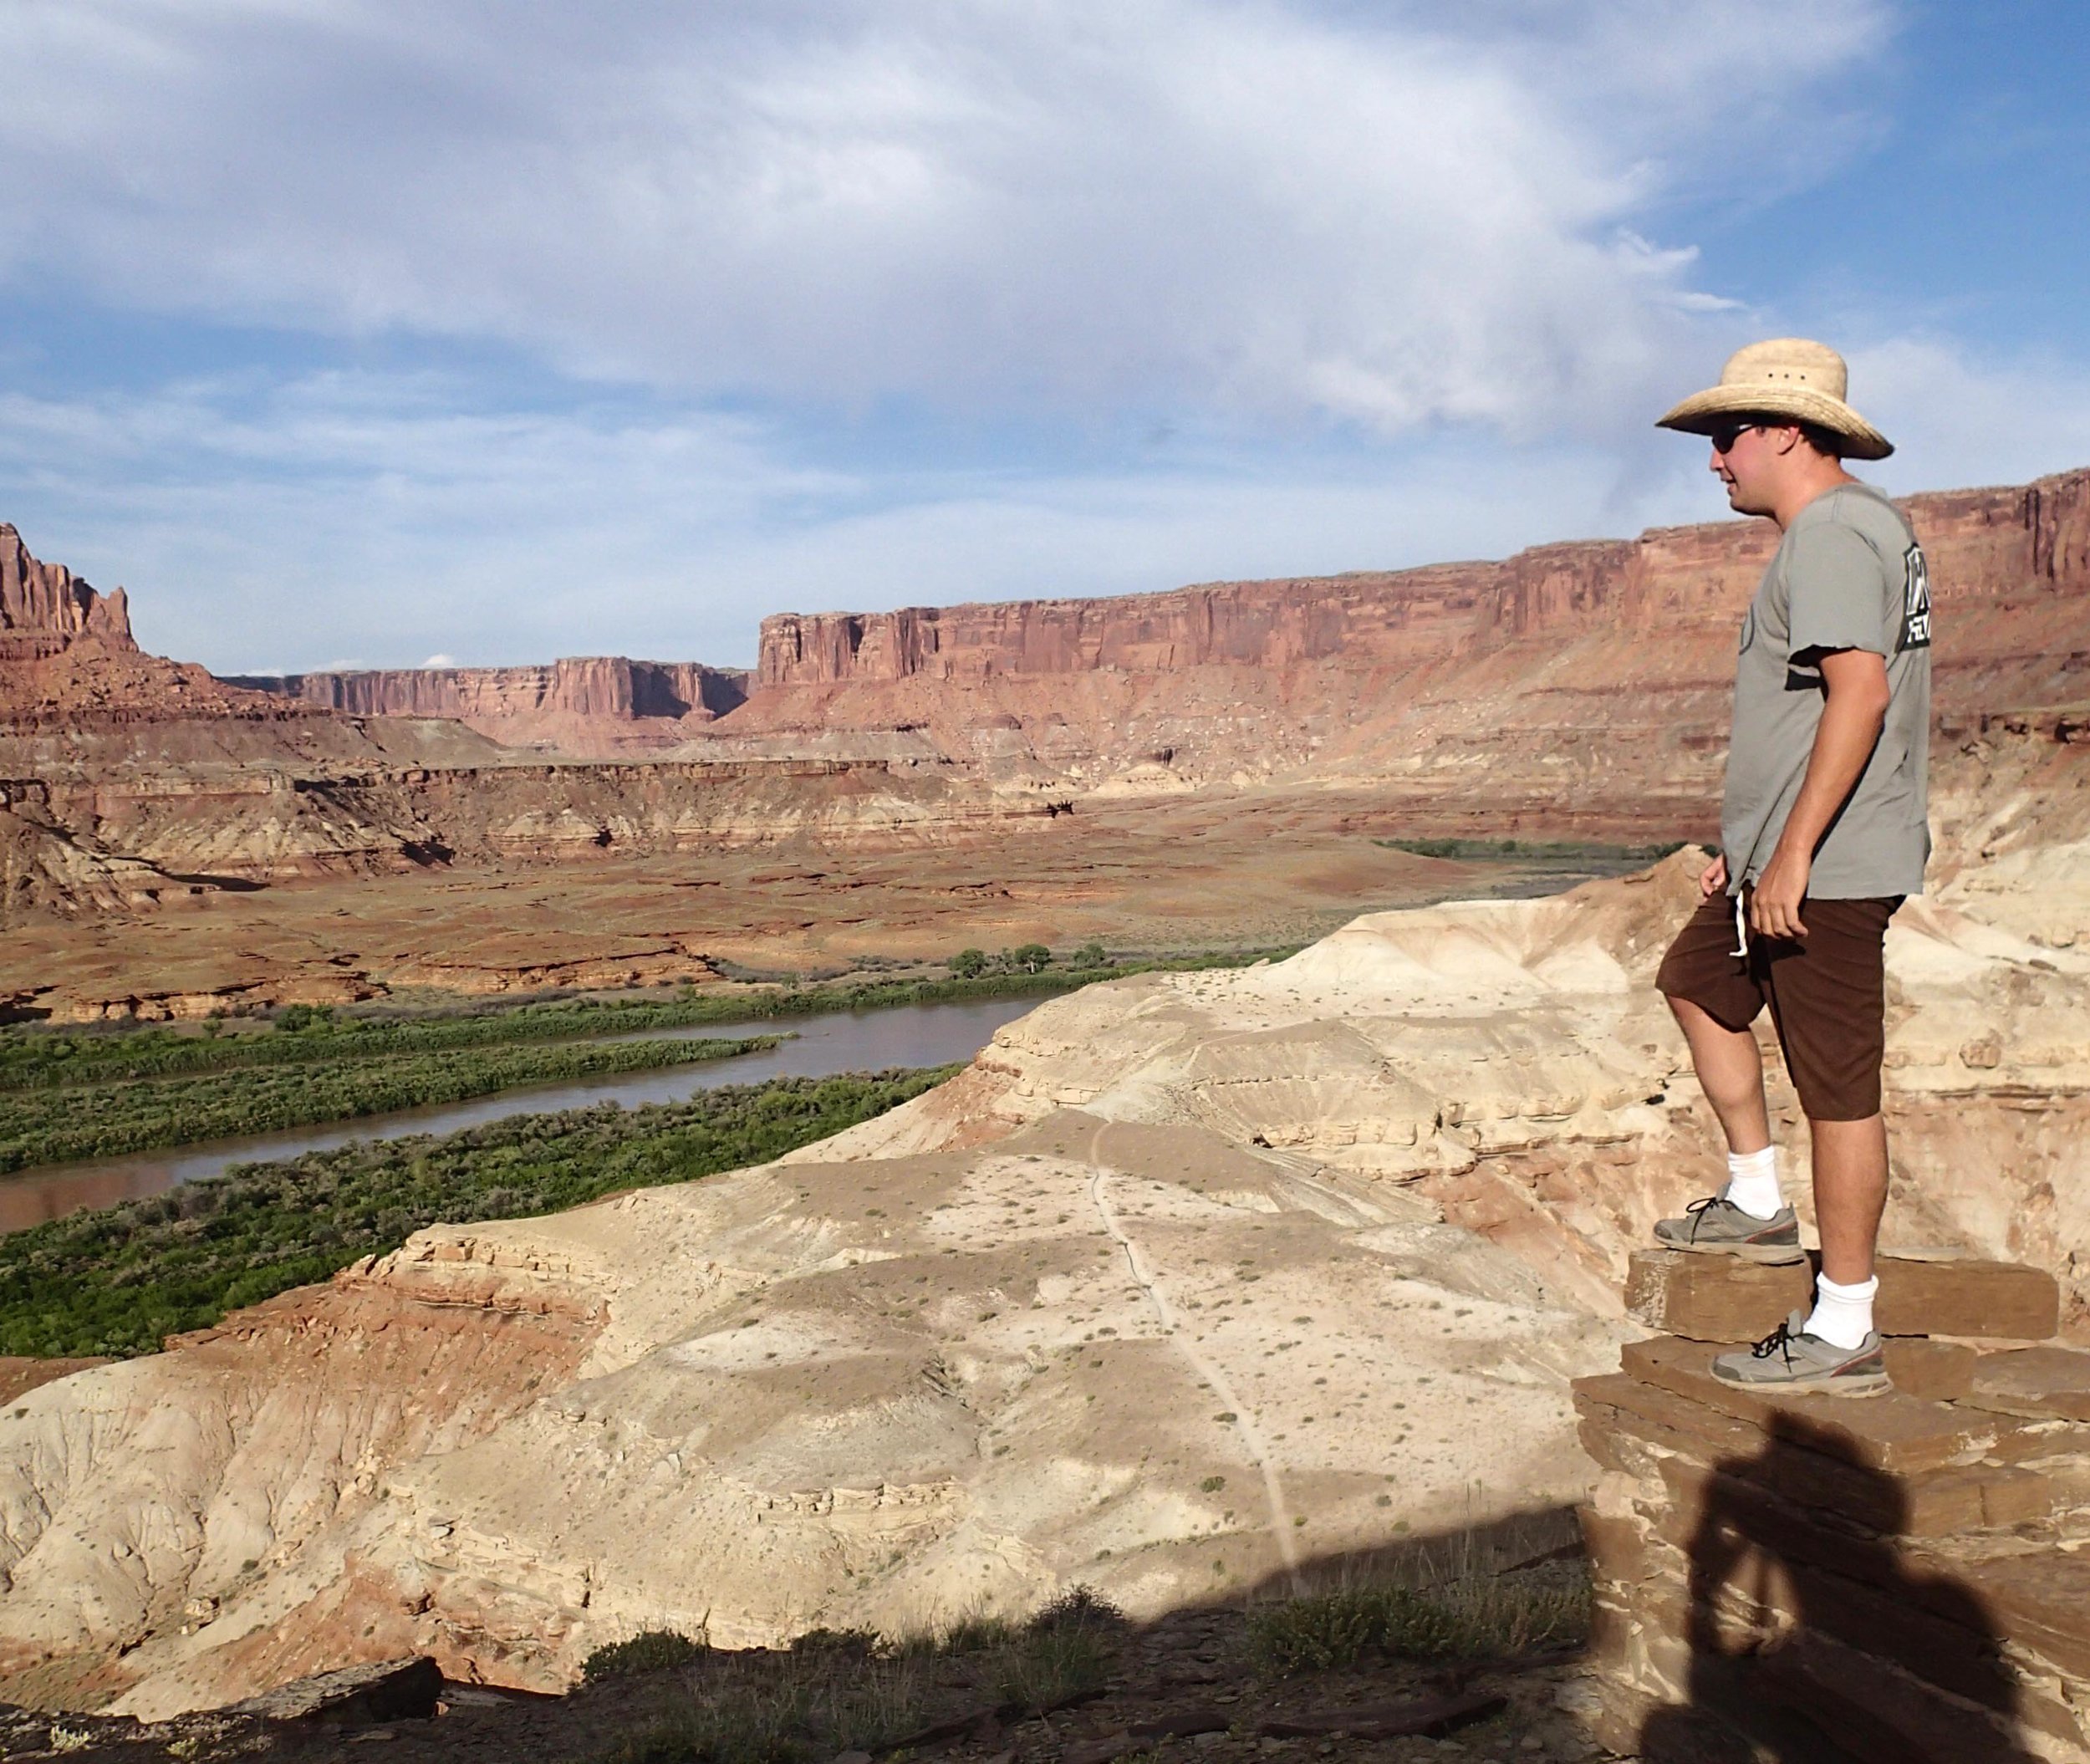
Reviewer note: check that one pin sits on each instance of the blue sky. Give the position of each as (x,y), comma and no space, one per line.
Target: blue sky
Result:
(349,333)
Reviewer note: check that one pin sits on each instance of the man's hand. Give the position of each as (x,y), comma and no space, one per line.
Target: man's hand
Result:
(1713,879)
(1773,905)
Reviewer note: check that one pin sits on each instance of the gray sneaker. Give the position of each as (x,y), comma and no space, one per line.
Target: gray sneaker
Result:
(1788,1361)
(1716,1226)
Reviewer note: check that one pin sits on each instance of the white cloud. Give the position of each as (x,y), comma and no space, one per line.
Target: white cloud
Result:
(401,525)
(1957,419)
(1397,215)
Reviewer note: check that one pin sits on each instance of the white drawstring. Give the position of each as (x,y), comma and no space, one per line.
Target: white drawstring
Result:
(1741,929)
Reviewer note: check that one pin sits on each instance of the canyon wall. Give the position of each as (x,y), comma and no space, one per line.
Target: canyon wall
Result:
(583,705)
(1580,685)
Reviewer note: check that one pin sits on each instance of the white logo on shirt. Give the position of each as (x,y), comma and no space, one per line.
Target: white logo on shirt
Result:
(1916,602)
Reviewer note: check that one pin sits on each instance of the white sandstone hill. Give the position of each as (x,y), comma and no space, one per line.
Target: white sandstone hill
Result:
(1187,1280)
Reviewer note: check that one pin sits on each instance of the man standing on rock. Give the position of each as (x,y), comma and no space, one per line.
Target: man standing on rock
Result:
(1823,831)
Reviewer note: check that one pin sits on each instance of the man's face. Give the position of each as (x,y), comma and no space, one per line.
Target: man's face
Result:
(1748,458)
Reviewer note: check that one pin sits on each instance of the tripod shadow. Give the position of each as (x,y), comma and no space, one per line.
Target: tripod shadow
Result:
(1791,1614)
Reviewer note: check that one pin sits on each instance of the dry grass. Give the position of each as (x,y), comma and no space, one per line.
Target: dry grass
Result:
(1446,1604)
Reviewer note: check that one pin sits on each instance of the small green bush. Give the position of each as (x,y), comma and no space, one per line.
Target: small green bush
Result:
(862,1642)
(654,1650)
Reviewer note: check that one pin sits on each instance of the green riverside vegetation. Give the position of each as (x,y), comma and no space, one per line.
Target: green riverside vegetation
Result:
(115,1281)
(71,1094)
(107,1118)
(34,1057)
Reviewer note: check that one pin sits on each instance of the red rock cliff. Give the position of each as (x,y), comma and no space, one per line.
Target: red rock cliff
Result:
(1583,684)
(582,703)
(44,608)
(1986,547)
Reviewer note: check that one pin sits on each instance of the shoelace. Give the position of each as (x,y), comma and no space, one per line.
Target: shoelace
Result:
(1699,1209)
(1778,1341)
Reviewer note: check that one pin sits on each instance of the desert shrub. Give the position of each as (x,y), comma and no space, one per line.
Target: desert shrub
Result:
(969,964)
(862,1643)
(653,1650)
(975,1632)
(784,1709)
(1079,1607)
(1040,1667)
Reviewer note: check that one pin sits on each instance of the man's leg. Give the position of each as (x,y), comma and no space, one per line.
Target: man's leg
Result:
(1709,987)
(1730,1072)
(1850,1195)
(1828,999)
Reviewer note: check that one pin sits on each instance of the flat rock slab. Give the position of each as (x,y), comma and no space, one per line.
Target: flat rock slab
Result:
(383,1690)
(2031,1381)
(1721,1298)
(1895,1432)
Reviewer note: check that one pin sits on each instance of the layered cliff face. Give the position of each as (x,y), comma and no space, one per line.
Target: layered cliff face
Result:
(585,706)
(1583,681)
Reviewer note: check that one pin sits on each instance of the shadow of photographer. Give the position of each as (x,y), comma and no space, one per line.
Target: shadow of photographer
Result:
(1814,1639)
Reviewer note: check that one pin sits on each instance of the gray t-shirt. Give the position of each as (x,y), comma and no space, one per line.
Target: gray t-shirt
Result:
(1848,575)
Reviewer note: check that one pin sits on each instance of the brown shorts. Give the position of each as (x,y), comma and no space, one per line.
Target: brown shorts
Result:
(1827,995)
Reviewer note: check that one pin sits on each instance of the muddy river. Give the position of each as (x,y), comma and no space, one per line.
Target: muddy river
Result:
(848,1041)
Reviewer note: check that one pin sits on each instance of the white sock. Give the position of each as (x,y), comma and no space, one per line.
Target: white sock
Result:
(1843,1315)
(1752,1182)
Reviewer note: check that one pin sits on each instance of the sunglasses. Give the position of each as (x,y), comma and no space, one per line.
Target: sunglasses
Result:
(1723,436)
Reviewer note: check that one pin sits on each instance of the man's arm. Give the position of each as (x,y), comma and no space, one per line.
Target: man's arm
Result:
(1851,721)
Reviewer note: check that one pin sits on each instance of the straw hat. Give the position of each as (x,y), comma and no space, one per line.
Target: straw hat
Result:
(1789,377)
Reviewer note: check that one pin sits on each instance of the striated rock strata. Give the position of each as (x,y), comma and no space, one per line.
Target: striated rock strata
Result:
(1573,688)
(45,608)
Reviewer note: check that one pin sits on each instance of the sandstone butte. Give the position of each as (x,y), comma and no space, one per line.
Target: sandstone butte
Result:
(1119,1305)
